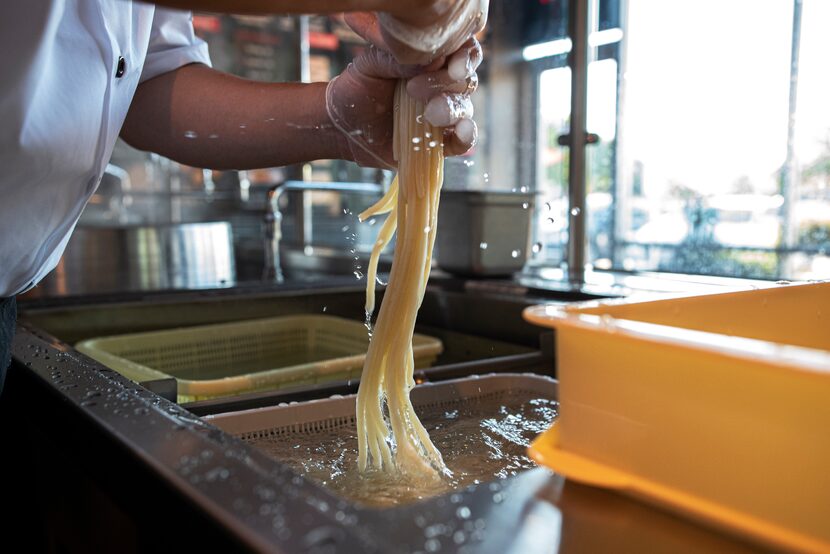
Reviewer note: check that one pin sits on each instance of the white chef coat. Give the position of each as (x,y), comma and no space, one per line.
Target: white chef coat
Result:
(61,109)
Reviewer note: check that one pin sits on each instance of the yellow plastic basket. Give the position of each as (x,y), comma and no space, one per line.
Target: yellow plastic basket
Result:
(715,406)
(231,358)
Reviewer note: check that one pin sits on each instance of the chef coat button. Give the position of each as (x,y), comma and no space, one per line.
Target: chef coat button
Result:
(121,67)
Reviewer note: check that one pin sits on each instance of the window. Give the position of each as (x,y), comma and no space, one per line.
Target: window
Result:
(713,138)
(551,214)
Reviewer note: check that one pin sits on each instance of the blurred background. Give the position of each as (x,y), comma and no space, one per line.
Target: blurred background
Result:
(710,148)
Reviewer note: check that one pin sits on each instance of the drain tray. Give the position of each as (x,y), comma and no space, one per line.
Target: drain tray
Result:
(330,413)
(496,416)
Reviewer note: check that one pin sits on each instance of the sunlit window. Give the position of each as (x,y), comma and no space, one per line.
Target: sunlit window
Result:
(713,150)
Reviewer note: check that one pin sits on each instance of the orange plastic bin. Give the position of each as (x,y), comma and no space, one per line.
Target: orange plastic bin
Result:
(716,406)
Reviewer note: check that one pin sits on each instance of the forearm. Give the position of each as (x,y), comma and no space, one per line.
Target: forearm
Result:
(412,10)
(204,118)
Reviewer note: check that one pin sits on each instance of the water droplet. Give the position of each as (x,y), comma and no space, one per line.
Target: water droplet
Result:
(358,275)
(427,229)
(525,205)
(325,308)
(782,282)
(243,126)
(469,163)
(416,140)
(432,545)
(463,512)
(575,211)
(417,149)
(537,247)
(549,206)
(486,177)
(515,253)
(344,228)
(483,246)
(308,250)
(367,321)
(190,134)
(420,119)
(372,221)
(213,136)
(522,188)
(433,143)
(550,220)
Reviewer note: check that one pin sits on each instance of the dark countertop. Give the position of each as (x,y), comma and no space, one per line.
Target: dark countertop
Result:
(538,283)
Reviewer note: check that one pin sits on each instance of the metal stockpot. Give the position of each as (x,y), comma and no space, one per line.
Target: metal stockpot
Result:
(483,233)
(116,259)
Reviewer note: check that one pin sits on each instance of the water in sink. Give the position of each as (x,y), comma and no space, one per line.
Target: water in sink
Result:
(481,440)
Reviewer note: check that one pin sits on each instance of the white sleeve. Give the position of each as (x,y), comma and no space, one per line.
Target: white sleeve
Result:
(172,44)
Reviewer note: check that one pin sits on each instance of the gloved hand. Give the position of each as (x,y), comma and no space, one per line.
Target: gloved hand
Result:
(360,101)
(428,34)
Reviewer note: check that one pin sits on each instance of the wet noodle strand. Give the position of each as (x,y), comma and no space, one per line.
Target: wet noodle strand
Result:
(401,443)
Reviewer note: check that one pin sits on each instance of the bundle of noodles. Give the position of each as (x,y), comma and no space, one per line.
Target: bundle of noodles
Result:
(412,203)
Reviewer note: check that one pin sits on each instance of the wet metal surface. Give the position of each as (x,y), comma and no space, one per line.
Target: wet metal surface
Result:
(268,508)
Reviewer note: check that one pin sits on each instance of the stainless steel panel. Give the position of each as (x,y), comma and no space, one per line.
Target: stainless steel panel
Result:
(101,259)
(483,233)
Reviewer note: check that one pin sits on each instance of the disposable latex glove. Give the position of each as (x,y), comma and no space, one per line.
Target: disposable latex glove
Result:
(429,34)
(360,101)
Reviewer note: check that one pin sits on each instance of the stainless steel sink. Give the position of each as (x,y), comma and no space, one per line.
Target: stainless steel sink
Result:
(473,332)
(114,464)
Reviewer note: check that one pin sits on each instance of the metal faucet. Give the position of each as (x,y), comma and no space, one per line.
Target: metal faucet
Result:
(272,223)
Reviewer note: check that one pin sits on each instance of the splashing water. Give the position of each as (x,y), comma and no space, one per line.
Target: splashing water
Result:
(481,439)
(367,322)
